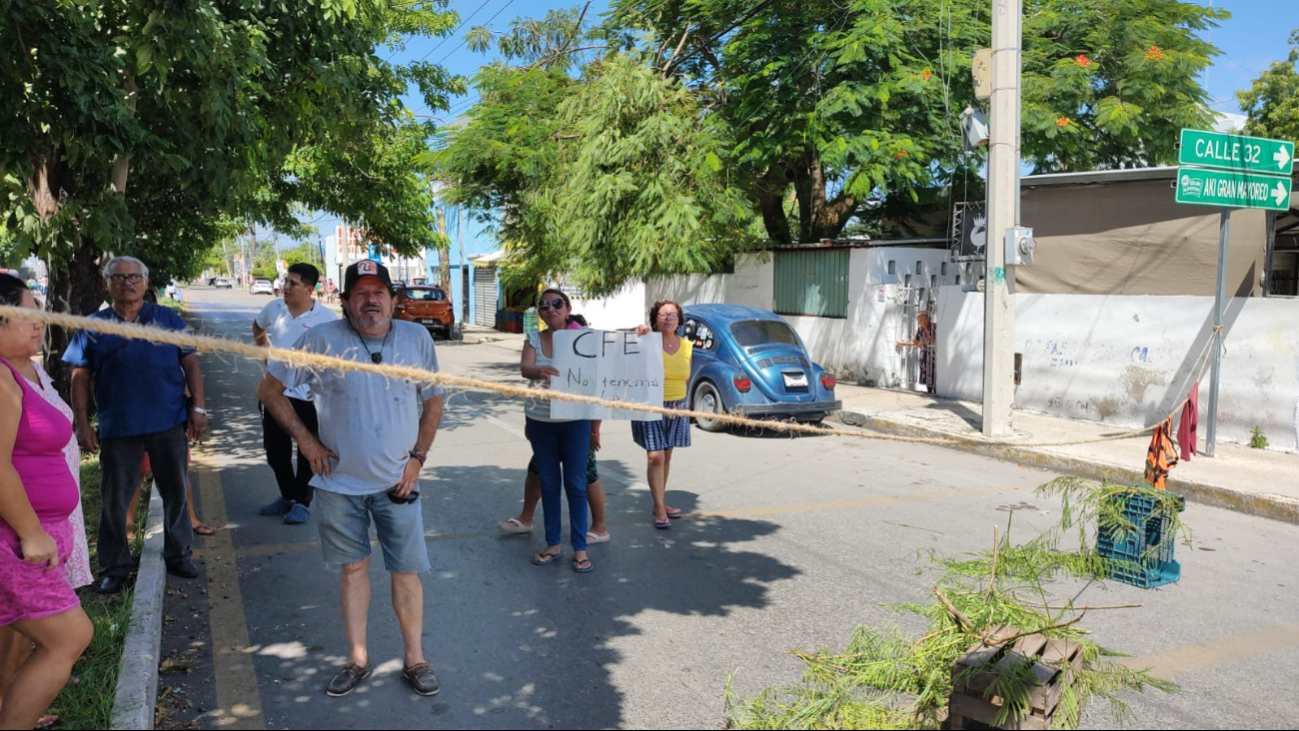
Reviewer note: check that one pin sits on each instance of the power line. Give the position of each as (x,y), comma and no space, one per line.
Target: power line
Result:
(1243,66)
(466,40)
(444,39)
(425,105)
(742,19)
(464,104)
(454,31)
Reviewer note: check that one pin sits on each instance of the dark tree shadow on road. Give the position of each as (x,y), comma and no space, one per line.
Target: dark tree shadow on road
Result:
(516,645)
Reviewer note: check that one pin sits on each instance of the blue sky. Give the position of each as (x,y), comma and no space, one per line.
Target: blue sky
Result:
(1253,38)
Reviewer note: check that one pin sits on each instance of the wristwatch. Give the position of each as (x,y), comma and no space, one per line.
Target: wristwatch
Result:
(197,410)
(418,455)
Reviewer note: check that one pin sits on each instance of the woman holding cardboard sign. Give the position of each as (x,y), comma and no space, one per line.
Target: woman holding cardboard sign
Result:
(559,446)
(522,523)
(659,438)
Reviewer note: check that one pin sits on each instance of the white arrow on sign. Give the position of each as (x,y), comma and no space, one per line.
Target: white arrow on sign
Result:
(1282,157)
(1280,193)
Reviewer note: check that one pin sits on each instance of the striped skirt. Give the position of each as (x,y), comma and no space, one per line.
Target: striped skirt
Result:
(669,432)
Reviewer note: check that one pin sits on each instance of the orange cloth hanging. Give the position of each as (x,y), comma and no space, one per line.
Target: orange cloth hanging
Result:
(1161,456)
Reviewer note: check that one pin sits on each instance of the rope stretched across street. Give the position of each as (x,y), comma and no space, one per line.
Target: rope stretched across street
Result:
(301,359)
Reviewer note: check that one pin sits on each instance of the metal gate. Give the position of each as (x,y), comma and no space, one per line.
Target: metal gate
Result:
(485,296)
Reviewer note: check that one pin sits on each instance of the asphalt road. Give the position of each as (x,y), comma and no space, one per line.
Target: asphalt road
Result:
(797,541)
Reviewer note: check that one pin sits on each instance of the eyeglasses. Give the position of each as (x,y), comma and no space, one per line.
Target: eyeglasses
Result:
(668,316)
(132,278)
(556,303)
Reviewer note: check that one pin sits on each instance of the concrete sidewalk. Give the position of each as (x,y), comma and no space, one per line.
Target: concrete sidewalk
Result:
(478,334)
(1253,481)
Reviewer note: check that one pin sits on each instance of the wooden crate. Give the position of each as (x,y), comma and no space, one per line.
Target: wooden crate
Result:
(1053,661)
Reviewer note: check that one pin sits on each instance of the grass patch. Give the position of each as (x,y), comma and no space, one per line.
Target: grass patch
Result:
(89,704)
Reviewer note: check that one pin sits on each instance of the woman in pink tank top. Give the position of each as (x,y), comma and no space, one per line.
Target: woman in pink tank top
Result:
(37,494)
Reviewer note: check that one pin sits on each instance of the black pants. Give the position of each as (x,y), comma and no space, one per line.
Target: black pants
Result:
(120,461)
(294,487)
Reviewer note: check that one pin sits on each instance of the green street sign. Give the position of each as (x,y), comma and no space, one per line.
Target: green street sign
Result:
(1226,189)
(1235,152)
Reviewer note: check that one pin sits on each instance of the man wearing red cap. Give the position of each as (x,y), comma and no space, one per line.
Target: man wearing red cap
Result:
(375,433)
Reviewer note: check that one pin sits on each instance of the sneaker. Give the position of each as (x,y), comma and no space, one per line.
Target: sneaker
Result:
(421,679)
(347,679)
(298,515)
(279,507)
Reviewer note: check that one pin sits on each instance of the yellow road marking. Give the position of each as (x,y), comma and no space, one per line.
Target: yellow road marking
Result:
(239,702)
(1171,663)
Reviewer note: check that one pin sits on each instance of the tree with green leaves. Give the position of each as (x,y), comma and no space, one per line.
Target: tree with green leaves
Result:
(841,104)
(144,129)
(137,128)
(1271,104)
(611,173)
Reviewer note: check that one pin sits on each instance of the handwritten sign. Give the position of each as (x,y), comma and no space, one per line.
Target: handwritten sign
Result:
(619,366)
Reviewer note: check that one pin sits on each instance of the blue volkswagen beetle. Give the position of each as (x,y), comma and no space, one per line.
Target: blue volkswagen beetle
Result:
(750,362)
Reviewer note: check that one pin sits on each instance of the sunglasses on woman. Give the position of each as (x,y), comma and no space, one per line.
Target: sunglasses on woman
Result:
(556,303)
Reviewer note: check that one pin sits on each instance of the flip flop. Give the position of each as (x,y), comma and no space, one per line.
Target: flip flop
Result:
(596,538)
(674,513)
(663,524)
(577,563)
(514,525)
(546,558)
(204,530)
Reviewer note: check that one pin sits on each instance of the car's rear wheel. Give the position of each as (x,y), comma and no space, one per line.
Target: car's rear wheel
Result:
(708,400)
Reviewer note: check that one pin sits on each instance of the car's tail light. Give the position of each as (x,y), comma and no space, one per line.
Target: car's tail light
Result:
(742,383)
(828,381)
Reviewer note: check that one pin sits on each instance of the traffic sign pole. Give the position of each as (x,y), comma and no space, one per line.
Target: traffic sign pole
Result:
(1224,233)
(1230,171)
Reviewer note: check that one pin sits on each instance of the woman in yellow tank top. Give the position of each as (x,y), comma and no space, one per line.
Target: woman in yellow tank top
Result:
(659,438)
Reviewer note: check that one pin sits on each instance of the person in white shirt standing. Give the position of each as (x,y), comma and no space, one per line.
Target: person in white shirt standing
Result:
(280,324)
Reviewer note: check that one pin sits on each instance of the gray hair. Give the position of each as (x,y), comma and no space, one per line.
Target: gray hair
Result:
(112,263)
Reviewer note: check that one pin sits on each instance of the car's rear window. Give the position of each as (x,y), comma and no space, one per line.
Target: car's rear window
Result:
(749,333)
(425,295)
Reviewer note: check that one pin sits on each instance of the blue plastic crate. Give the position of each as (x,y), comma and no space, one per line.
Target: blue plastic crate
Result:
(1142,557)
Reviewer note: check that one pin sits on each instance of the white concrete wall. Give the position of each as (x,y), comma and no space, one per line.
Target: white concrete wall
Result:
(863,346)
(751,285)
(860,347)
(625,308)
(1128,361)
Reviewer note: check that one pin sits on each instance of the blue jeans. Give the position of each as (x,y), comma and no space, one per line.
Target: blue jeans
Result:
(345,530)
(561,449)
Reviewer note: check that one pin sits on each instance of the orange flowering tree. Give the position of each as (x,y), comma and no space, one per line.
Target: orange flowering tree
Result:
(1109,83)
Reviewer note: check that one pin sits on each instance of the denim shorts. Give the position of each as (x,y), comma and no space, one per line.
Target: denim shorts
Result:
(345,530)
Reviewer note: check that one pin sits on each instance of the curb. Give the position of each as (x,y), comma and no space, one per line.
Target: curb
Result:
(137,679)
(1272,507)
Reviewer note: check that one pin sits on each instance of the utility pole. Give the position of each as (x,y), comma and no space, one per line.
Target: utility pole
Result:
(347,253)
(465,279)
(1003,215)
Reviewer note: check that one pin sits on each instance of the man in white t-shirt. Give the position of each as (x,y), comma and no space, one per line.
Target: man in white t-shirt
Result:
(280,324)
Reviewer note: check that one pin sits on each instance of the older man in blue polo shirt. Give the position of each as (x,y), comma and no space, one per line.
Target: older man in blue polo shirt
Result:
(139,390)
